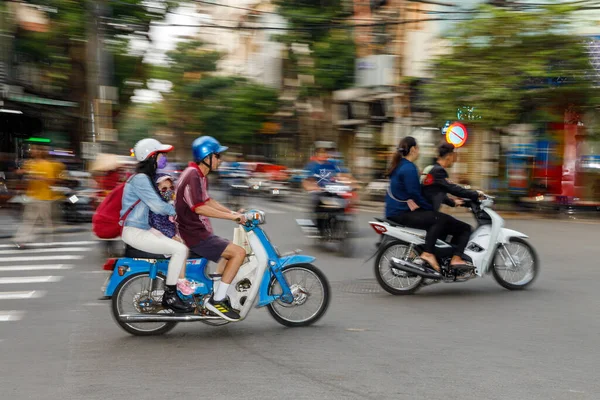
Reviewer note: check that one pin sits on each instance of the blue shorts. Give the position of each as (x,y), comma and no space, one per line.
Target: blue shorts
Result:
(212,248)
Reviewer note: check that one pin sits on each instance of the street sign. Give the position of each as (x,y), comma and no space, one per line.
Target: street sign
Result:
(457,134)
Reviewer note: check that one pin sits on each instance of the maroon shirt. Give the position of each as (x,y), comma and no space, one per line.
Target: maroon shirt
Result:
(192,191)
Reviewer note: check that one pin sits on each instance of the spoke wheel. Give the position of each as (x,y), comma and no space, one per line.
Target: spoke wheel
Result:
(135,295)
(310,289)
(392,280)
(515,264)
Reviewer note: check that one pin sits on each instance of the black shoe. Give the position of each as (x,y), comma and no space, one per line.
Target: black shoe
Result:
(222,309)
(173,302)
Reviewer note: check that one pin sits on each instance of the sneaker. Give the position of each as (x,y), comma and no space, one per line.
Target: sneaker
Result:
(173,302)
(222,309)
(186,287)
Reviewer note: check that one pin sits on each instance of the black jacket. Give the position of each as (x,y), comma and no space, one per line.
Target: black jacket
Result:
(437,186)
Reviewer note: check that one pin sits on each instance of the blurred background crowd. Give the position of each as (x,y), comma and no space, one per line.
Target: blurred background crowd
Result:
(513,84)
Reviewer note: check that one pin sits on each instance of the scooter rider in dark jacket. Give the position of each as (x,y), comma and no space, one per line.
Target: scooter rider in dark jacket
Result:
(436,186)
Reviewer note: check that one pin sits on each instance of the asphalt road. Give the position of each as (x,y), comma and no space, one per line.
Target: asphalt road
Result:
(473,340)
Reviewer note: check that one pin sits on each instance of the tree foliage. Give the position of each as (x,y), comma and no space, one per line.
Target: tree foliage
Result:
(320,25)
(230,108)
(509,66)
(61,49)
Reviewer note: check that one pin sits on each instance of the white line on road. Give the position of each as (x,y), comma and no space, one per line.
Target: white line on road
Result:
(11,315)
(30,294)
(29,279)
(35,267)
(80,243)
(39,258)
(51,250)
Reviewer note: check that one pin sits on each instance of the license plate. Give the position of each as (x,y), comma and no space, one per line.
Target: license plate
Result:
(275,191)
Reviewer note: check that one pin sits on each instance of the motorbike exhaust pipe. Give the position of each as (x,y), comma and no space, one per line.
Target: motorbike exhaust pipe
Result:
(415,269)
(165,317)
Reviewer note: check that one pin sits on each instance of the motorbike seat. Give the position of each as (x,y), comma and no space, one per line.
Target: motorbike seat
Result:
(132,252)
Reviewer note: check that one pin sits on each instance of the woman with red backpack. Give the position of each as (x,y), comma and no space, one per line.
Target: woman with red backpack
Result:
(140,196)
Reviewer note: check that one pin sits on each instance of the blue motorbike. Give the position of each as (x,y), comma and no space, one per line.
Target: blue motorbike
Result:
(295,292)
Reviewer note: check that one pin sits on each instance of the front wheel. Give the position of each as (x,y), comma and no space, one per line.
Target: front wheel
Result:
(139,294)
(515,264)
(310,289)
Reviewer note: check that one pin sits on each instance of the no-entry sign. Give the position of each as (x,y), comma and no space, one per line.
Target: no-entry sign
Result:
(457,134)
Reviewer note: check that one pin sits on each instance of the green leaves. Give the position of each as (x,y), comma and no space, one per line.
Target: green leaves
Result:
(502,59)
(320,25)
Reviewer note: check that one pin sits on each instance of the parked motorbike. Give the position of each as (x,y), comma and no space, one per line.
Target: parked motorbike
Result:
(295,292)
(491,249)
(333,219)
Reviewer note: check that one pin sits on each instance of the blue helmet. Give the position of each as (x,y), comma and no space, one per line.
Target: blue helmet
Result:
(204,146)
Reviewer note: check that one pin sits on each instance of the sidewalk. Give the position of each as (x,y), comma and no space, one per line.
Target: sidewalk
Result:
(9,226)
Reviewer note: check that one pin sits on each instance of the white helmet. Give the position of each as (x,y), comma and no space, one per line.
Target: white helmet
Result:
(147,147)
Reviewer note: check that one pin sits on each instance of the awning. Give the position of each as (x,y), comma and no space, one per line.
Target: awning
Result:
(40,100)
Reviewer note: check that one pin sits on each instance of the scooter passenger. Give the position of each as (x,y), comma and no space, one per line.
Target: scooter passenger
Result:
(436,187)
(406,205)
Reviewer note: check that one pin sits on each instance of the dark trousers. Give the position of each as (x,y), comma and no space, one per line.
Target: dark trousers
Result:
(438,225)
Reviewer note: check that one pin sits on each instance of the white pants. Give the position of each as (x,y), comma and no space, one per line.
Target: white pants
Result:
(150,242)
(34,210)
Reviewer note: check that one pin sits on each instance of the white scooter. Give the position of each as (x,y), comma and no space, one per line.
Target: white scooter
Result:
(491,248)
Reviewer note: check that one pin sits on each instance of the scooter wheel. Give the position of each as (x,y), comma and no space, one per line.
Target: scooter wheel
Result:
(391,280)
(126,300)
(521,275)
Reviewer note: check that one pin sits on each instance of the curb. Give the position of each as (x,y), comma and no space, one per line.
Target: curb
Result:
(56,231)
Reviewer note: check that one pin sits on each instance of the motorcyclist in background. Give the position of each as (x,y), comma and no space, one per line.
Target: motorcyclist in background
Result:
(435,188)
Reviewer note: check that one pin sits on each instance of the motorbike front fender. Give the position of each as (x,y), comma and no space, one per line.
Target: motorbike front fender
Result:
(295,259)
(506,234)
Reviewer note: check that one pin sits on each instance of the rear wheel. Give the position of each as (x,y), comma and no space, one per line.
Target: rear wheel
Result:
(136,295)
(393,280)
(515,264)
(310,289)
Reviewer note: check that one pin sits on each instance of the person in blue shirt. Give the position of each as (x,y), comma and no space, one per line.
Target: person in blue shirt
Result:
(321,171)
(404,202)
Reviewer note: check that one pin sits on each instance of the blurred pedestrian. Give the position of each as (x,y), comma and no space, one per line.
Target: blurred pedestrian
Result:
(40,174)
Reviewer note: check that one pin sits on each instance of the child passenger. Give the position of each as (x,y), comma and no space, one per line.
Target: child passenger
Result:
(166,225)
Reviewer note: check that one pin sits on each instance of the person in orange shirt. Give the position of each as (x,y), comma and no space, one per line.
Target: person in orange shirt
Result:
(41,175)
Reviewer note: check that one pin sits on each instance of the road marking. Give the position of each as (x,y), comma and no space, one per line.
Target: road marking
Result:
(30,279)
(11,315)
(94,304)
(51,250)
(31,294)
(80,243)
(39,258)
(96,272)
(36,267)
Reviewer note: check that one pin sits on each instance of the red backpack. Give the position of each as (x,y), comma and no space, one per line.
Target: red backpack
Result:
(107,222)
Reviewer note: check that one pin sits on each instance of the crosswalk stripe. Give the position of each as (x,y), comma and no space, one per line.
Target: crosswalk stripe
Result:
(50,250)
(11,315)
(30,294)
(36,267)
(29,279)
(39,258)
(80,243)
